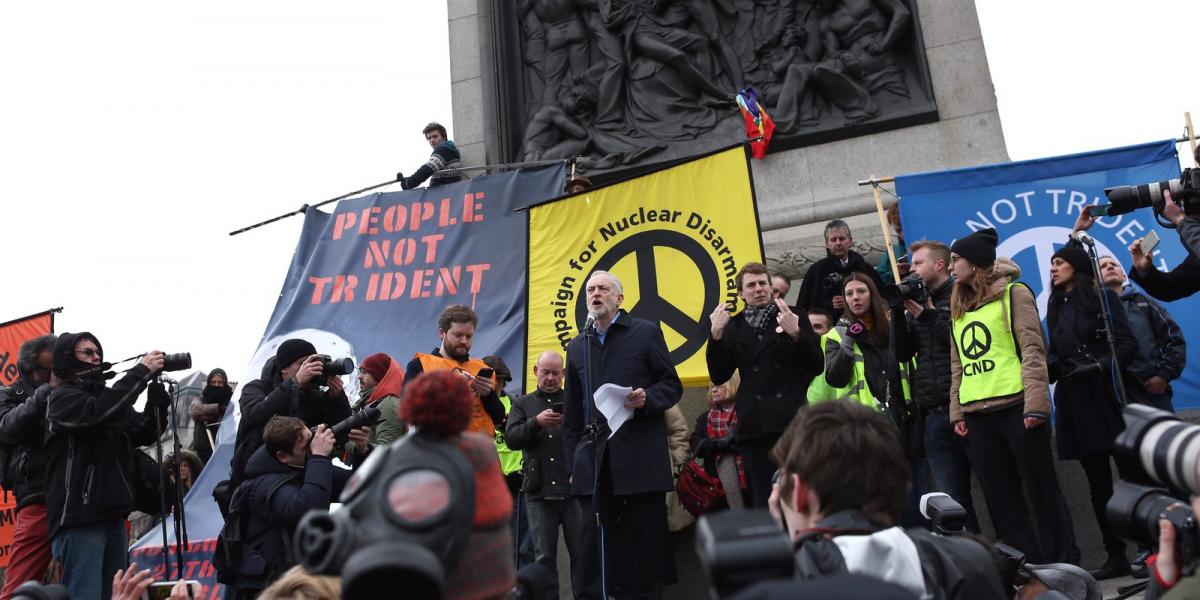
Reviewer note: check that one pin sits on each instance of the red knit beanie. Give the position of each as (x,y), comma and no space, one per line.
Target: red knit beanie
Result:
(377,365)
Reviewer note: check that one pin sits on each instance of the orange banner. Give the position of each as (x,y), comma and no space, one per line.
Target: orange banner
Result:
(15,333)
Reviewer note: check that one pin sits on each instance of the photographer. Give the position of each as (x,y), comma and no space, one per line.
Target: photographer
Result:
(1184,279)
(1165,570)
(839,495)
(91,438)
(23,406)
(290,386)
(289,475)
(922,332)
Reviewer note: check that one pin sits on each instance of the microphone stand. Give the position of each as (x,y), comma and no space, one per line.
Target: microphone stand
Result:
(1109,329)
(181,537)
(590,430)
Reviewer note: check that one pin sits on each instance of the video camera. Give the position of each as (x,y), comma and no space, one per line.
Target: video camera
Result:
(1185,191)
(910,288)
(834,281)
(1157,456)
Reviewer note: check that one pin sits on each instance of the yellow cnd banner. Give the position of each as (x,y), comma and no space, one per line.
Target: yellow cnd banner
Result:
(675,238)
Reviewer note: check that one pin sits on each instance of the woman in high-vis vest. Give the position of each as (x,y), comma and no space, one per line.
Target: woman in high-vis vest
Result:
(999,397)
(859,363)
(1080,363)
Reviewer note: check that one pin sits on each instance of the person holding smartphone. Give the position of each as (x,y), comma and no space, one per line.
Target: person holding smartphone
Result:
(456,330)
(535,428)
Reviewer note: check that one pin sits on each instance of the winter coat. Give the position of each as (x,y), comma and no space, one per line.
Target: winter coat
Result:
(775,371)
(23,427)
(1089,415)
(1162,347)
(929,565)
(544,463)
(91,436)
(634,354)
(269,396)
(311,488)
(927,340)
(814,293)
(384,395)
(1031,346)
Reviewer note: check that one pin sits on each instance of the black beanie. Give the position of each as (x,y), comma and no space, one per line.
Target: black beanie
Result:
(1077,258)
(290,350)
(65,363)
(979,247)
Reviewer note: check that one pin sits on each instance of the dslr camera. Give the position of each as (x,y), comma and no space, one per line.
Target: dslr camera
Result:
(1156,455)
(910,288)
(834,281)
(1185,191)
(336,366)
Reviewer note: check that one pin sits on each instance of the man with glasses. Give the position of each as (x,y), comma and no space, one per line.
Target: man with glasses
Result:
(23,460)
(92,434)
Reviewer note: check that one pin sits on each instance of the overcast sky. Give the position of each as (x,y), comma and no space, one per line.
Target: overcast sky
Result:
(136,135)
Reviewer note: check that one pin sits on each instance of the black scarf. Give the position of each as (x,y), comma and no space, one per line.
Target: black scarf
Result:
(761,318)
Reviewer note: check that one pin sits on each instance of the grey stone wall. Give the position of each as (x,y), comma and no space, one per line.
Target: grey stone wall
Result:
(799,190)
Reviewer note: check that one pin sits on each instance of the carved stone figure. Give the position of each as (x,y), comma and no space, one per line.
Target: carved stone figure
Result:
(624,82)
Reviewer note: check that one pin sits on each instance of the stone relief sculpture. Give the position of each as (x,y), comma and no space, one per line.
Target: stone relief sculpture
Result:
(626,82)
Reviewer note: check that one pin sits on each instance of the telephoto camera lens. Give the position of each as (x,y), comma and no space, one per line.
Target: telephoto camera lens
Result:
(1134,512)
(1165,448)
(336,366)
(177,362)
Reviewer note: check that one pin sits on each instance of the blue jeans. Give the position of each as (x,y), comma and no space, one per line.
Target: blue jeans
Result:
(522,538)
(91,555)
(545,517)
(948,463)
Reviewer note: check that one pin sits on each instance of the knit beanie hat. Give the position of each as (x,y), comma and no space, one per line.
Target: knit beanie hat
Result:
(979,247)
(291,350)
(1076,257)
(377,365)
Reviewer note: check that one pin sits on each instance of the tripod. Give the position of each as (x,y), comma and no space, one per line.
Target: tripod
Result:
(179,519)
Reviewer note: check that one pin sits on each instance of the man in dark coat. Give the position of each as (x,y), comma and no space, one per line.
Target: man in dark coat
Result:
(777,355)
(289,475)
(1184,279)
(817,291)
(922,334)
(289,387)
(624,478)
(23,406)
(91,439)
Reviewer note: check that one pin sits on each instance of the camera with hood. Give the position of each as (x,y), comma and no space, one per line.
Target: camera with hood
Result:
(1185,191)
(740,547)
(336,366)
(1157,456)
(366,417)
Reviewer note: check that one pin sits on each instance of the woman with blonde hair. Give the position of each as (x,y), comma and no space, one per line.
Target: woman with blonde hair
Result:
(999,397)
(713,441)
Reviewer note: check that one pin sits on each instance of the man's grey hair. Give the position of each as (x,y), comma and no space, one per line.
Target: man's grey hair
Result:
(28,354)
(616,282)
(837,224)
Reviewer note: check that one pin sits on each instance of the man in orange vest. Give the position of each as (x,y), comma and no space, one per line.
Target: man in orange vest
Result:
(456,328)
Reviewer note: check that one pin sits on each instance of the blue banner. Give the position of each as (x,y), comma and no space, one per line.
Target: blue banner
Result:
(1033,205)
(373,276)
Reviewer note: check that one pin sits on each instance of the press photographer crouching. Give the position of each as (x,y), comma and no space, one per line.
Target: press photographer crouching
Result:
(843,479)
(298,383)
(1158,456)
(91,438)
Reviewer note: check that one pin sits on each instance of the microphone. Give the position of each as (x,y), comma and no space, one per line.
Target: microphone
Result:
(1083,238)
(165,379)
(591,321)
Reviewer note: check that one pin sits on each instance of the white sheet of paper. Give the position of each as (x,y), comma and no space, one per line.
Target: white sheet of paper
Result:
(610,401)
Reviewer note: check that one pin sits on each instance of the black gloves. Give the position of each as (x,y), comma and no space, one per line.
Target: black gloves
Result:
(157,396)
(723,444)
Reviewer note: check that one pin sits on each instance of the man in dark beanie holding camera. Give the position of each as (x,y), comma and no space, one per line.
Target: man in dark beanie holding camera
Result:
(91,438)
(291,385)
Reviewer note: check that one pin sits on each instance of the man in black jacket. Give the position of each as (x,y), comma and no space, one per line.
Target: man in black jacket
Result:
(817,291)
(777,355)
(623,478)
(922,331)
(23,406)
(535,428)
(290,386)
(289,475)
(91,438)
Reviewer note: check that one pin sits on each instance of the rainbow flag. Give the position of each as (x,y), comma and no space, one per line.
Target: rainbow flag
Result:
(759,126)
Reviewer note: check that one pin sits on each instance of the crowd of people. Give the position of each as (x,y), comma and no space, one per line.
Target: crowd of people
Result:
(836,414)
